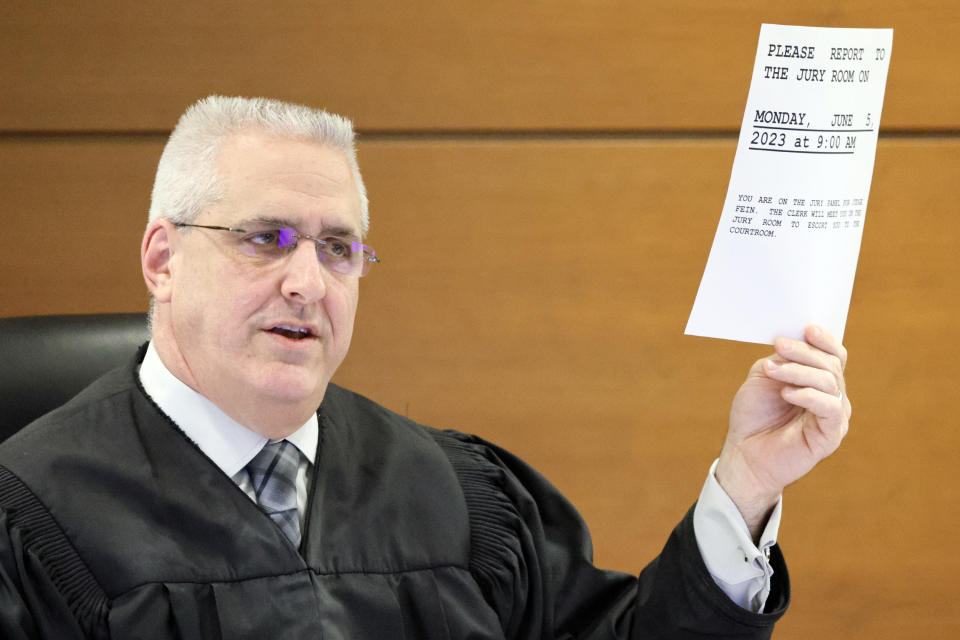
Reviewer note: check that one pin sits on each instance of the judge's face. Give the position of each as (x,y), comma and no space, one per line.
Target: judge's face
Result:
(238,322)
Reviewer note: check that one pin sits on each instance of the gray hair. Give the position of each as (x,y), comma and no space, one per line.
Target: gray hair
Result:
(187,180)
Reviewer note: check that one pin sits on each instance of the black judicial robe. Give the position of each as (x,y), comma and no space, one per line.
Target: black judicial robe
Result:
(114,525)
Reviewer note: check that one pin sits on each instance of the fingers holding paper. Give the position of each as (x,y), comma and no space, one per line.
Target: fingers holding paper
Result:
(812,375)
(791,412)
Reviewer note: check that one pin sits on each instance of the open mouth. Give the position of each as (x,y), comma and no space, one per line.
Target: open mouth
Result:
(293,333)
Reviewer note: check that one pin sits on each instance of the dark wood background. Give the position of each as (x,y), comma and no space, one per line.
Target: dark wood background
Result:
(495,138)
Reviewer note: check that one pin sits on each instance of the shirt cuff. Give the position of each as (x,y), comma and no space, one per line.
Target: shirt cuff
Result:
(739,567)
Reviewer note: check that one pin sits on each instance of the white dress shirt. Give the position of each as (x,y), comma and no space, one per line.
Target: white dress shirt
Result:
(229,444)
(739,567)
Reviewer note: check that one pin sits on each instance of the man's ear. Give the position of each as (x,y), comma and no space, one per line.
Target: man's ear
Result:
(156,253)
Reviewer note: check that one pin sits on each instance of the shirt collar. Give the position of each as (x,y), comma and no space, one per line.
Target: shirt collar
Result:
(229,444)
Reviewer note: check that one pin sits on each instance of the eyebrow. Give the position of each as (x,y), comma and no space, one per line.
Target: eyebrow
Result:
(344,232)
(267,221)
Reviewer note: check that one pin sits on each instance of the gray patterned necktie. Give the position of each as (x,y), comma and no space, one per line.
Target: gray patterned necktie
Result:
(273,474)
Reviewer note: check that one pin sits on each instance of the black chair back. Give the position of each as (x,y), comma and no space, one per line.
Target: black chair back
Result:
(46,360)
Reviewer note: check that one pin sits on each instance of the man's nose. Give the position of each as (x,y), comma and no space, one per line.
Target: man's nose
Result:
(304,278)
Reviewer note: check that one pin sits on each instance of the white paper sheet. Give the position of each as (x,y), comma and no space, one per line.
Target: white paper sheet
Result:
(785,253)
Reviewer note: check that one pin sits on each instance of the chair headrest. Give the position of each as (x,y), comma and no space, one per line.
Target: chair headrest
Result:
(46,360)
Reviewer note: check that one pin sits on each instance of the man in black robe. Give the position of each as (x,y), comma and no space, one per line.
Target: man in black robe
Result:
(219,486)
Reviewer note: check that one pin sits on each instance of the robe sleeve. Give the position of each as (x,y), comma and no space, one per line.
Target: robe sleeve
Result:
(45,589)
(16,619)
(531,555)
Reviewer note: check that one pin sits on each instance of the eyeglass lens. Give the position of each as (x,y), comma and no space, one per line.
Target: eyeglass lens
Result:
(340,256)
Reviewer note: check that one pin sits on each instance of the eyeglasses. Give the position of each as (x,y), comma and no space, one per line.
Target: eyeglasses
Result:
(341,256)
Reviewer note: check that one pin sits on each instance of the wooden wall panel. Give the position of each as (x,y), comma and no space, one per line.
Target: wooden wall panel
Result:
(535,292)
(499,64)
(72,217)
